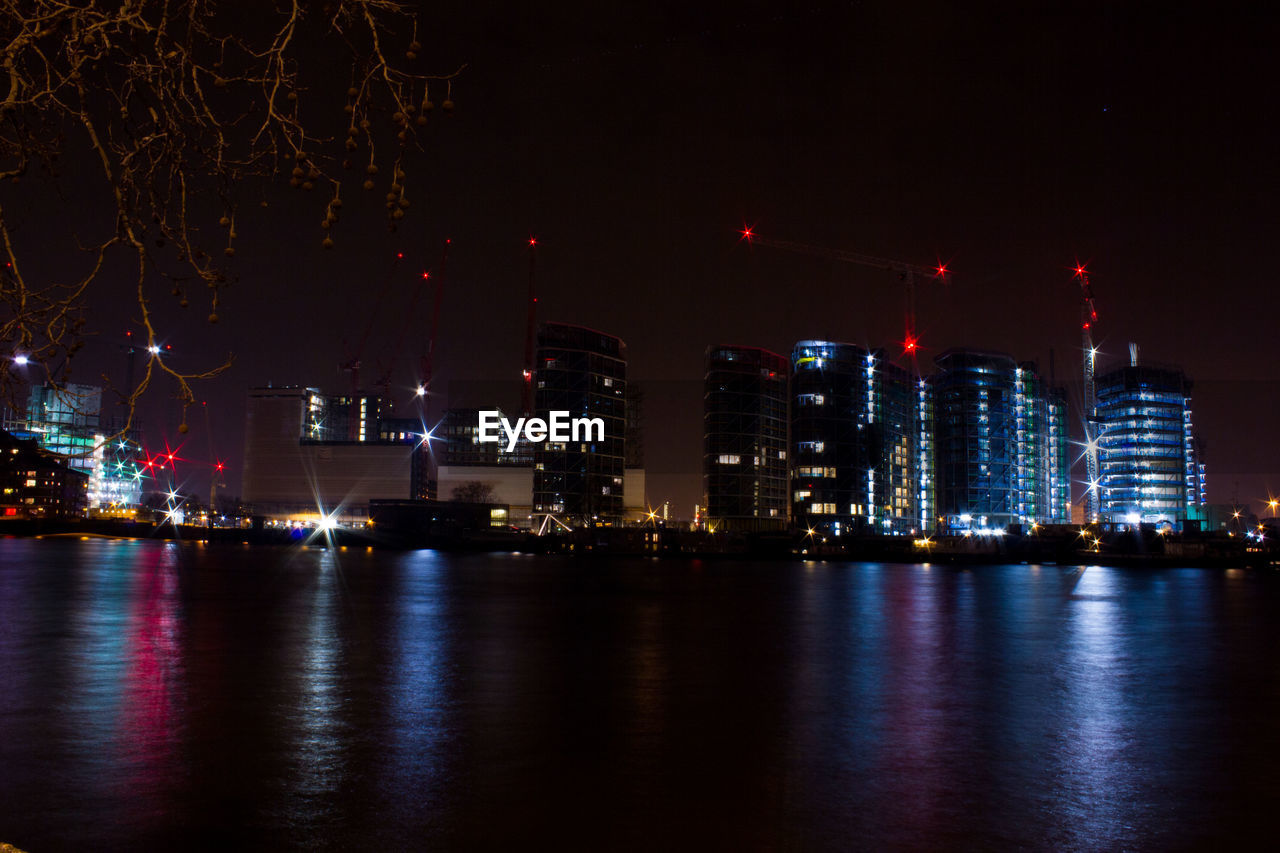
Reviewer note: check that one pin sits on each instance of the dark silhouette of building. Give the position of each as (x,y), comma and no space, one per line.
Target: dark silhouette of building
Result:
(37,483)
(582,372)
(745,443)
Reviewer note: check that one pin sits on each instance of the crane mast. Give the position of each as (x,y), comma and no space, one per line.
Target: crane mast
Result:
(526,395)
(1089,316)
(426,364)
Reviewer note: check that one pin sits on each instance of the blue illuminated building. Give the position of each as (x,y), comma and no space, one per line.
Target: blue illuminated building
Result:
(1000,454)
(1149,463)
(855,430)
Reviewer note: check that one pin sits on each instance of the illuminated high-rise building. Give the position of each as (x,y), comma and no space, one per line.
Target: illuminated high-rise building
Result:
(855,432)
(1149,463)
(1001,453)
(1059,459)
(745,438)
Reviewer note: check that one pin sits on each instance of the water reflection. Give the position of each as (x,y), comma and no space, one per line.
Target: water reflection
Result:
(315,726)
(415,740)
(152,716)
(159,693)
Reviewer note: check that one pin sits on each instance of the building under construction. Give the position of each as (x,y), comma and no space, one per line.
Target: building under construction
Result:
(1149,465)
(1000,443)
(854,439)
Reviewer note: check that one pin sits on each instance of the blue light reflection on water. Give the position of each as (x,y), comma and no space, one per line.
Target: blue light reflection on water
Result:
(158,692)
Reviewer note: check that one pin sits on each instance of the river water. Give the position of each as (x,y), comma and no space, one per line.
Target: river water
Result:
(167,695)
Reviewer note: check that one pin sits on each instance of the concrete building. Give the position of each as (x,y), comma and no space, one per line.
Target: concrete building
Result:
(469,469)
(291,475)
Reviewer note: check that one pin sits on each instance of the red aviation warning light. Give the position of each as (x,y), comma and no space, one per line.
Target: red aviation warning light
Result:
(747,234)
(533,241)
(425,275)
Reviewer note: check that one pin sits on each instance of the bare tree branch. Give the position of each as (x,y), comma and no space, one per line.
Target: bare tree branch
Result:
(177,103)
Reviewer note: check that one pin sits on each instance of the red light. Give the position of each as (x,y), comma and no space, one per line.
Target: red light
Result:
(1086,325)
(425,275)
(399,256)
(532,242)
(747,234)
(942,269)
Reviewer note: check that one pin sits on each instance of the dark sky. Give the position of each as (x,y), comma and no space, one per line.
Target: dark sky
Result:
(634,140)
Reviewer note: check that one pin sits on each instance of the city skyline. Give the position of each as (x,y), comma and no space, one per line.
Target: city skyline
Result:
(635,144)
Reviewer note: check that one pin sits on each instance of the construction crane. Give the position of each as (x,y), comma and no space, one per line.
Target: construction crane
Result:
(352,362)
(218,468)
(1088,317)
(383,383)
(426,364)
(526,396)
(906,272)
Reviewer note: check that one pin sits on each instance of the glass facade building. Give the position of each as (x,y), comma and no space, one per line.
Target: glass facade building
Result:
(583,372)
(1059,459)
(745,438)
(68,421)
(1149,467)
(1001,443)
(855,430)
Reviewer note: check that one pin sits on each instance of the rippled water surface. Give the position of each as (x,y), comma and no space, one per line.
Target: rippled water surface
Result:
(158,696)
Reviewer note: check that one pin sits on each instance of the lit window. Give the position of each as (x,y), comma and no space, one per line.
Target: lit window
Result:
(729,459)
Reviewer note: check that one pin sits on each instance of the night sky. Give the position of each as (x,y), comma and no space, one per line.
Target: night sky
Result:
(634,141)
